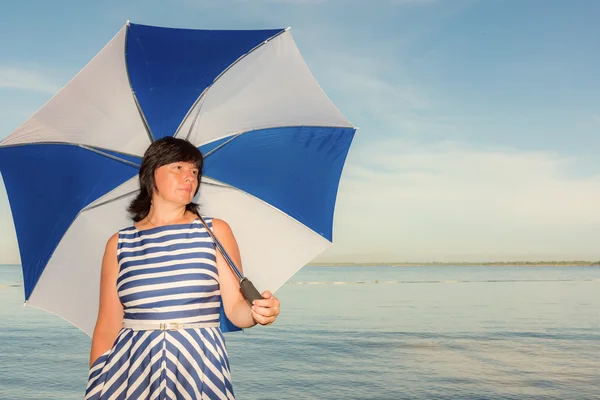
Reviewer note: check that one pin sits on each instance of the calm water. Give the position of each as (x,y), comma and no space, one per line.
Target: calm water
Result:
(401,333)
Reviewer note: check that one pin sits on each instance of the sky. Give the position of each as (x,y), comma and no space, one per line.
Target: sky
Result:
(479,121)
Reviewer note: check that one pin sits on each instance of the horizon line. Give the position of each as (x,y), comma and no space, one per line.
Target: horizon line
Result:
(417,263)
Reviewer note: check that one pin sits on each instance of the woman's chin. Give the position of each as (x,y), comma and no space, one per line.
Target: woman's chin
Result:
(180,201)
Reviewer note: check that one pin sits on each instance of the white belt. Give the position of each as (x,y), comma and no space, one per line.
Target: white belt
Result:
(165,326)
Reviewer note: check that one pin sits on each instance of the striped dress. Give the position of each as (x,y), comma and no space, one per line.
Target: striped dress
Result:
(166,274)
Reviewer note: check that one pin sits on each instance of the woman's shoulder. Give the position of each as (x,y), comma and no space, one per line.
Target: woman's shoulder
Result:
(112,242)
(221,228)
(208,219)
(114,239)
(218,223)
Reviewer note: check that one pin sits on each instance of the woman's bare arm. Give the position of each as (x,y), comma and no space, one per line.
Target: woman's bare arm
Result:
(237,309)
(110,311)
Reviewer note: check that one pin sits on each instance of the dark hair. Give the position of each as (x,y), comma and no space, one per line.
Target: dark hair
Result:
(162,152)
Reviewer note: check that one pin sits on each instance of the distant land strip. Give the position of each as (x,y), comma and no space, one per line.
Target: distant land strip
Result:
(445,281)
(459,264)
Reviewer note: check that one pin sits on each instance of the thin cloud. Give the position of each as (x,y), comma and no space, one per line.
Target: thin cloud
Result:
(30,79)
(411,2)
(9,251)
(402,201)
(344,2)
(392,102)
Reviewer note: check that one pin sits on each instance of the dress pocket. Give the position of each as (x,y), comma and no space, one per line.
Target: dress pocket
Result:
(98,364)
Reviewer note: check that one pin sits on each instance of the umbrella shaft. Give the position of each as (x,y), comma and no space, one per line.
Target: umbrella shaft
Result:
(232,265)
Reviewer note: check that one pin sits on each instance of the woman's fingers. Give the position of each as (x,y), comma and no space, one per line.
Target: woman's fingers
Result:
(261,319)
(268,300)
(265,311)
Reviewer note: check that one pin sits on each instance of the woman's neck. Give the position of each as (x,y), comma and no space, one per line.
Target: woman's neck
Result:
(160,216)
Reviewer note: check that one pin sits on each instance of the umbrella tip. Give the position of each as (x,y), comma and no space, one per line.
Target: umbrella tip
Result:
(127,23)
(288,28)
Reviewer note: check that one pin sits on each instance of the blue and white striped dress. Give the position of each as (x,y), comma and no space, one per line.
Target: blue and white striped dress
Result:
(166,274)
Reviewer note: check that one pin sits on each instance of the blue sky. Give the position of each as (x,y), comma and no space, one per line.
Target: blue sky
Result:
(479,120)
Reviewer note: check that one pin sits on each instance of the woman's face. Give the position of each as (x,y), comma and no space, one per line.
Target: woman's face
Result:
(176,182)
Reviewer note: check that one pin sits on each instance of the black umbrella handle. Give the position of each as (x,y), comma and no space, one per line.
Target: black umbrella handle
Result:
(249,291)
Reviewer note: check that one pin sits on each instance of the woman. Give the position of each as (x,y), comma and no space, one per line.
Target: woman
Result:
(157,334)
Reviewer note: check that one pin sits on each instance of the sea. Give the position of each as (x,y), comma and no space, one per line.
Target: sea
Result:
(367,332)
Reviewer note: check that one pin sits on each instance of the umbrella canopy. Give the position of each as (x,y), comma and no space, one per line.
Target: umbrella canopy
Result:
(274,147)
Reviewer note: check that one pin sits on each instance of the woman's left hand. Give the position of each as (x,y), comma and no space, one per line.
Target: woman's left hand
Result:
(265,311)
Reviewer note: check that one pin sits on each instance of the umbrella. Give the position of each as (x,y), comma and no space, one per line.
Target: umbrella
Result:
(275,147)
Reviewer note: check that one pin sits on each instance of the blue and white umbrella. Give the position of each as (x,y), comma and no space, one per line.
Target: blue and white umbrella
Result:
(275,147)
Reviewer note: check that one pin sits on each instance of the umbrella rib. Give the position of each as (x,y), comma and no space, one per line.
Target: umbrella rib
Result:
(135,99)
(208,153)
(137,104)
(62,237)
(28,303)
(97,150)
(109,201)
(219,183)
(204,92)
(249,52)
(201,101)
(83,210)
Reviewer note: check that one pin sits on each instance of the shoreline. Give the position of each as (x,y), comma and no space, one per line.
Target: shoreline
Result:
(464,264)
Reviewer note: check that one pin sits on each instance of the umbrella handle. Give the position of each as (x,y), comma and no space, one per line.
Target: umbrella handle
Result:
(249,290)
